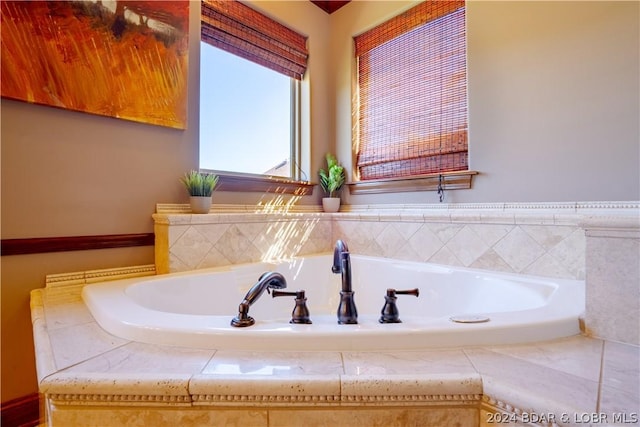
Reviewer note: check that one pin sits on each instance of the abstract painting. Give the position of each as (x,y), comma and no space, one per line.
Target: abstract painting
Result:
(123,59)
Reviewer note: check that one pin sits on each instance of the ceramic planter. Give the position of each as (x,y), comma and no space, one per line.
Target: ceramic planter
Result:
(331,204)
(200,204)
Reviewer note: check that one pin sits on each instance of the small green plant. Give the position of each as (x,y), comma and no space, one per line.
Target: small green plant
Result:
(332,179)
(199,183)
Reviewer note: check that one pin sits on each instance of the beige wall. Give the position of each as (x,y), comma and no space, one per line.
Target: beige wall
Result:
(530,102)
(81,174)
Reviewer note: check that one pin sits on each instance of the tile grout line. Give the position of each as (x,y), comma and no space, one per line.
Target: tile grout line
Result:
(600,377)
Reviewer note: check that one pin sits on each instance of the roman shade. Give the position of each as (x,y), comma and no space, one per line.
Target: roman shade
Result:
(412,93)
(243,31)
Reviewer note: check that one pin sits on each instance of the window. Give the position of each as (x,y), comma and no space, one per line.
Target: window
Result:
(250,71)
(244,108)
(412,91)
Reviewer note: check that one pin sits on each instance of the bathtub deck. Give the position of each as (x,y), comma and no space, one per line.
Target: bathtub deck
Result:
(89,377)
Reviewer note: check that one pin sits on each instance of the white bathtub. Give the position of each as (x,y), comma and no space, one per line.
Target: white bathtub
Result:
(194,309)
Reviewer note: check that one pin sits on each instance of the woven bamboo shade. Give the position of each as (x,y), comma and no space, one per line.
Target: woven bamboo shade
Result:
(412,87)
(238,29)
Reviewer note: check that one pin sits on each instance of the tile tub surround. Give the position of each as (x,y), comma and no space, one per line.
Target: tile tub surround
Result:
(91,378)
(235,235)
(541,239)
(613,278)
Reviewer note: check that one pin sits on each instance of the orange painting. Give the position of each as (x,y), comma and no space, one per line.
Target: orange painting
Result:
(124,59)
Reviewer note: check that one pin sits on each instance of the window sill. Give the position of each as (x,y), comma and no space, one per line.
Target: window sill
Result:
(228,181)
(458,180)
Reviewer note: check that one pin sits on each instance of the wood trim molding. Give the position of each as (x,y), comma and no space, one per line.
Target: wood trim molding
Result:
(23,411)
(450,181)
(38,245)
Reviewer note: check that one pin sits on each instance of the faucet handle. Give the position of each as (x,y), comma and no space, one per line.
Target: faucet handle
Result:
(300,313)
(392,292)
(297,294)
(389,312)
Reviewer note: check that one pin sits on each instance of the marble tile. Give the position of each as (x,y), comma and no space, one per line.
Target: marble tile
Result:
(445,232)
(518,249)
(390,240)
(548,266)
(234,245)
(621,367)
(365,234)
(191,247)
(136,357)
(251,230)
(176,265)
(361,239)
(342,228)
(570,253)
(613,294)
(446,257)
(213,258)
(264,389)
(45,362)
(407,228)
(292,374)
(139,386)
(174,232)
(65,315)
(620,405)
(490,234)
(577,356)
(78,343)
(534,247)
(490,260)
(466,246)
(406,253)
(425,243)
(275,364)
(547,236)
(532,218)
(407,362)
(409,387)
(212,232)
(532,386)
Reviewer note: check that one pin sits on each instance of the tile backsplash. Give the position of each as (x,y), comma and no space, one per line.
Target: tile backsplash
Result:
(542,250)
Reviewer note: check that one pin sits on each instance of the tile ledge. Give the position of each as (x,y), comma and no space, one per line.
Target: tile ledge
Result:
(550,213)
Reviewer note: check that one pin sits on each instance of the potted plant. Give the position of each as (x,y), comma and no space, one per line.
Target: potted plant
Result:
(331,180)
(200,186)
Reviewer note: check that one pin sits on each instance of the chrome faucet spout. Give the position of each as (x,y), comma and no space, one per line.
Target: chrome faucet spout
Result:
(269,280)
(347,312)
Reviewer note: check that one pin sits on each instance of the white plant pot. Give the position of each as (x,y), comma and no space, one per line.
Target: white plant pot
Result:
(200,204)
(331,204)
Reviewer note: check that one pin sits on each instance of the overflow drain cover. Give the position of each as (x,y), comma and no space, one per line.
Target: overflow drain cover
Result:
(469,318)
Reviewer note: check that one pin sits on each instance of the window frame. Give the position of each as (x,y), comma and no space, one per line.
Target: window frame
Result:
(248,182)
(242,21)
(448,180)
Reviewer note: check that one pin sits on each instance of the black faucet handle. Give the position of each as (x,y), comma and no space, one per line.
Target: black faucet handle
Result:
(297,294)
(392,292)
(300,313)
(389,312)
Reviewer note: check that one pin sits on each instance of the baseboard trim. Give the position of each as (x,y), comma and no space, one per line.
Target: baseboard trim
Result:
(21,412)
